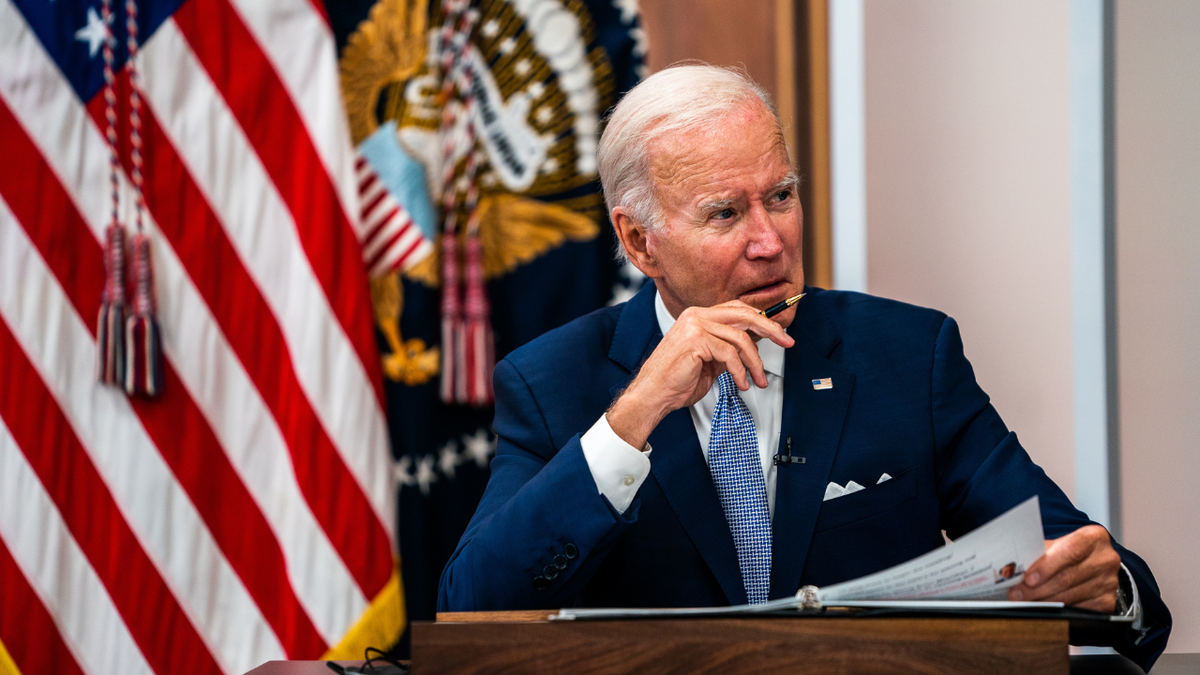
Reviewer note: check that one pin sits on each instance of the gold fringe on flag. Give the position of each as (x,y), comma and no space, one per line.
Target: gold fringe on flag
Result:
(380,626)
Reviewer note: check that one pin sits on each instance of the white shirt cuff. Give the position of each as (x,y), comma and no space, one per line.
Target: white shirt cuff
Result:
(618,468)
(1135,607)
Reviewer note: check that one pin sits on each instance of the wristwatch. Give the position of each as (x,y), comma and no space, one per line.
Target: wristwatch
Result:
(1124,592)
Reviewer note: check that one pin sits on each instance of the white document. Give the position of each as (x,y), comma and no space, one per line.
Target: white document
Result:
(981,565)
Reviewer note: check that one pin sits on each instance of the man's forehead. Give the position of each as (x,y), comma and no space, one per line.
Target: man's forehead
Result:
(748,134)
(704,163)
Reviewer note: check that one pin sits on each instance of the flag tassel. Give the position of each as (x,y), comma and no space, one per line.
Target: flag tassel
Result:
(110,324)
(480,342)
(452,320)
(143,362)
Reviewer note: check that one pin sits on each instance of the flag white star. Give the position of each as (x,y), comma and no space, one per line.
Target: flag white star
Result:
(491,28)
(629,9)
(402,472)
(507,45)
(641,41)
(93,33)
(479,447)
(426,476)
(632,282)
(522,67)
(632,274)
(448,459)
(621,293)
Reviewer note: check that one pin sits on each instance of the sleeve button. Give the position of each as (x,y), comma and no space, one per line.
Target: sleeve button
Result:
(560,561)
(570,551)
(550,572)
(540,583)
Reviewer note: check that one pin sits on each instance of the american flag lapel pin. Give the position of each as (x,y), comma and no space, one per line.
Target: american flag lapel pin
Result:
(823,383)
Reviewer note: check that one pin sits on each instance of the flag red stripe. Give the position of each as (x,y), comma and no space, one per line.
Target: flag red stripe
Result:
(153,616)
(383,250)
(27,174)
(175,424)
(399,262)
(375,201)
(367,181)
(27,629)
(379,226)
(404,256)
(186,219)
(264,110)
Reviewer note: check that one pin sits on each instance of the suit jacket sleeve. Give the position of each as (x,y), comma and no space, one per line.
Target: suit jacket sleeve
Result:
(982,471)
(542,526)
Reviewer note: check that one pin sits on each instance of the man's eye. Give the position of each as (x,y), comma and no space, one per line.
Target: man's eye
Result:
(723,214)
(782,196)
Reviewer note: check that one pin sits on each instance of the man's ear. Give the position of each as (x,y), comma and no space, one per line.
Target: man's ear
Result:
(633,238)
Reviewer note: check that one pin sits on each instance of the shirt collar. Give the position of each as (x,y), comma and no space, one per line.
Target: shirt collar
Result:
(770,353)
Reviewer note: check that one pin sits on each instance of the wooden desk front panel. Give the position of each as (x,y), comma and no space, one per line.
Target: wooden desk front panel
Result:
(740,645)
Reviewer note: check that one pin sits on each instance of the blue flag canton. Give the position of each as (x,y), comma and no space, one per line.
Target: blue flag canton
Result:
(72,32)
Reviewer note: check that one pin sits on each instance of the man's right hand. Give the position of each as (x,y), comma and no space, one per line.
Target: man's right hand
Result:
(703,343)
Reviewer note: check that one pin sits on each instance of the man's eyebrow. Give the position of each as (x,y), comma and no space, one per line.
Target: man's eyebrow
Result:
(789,181)
(715,204)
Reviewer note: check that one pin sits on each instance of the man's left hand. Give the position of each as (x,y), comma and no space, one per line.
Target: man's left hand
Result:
(1079,569)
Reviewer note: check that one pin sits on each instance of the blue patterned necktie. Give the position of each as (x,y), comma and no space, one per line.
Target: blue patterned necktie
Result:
(737,472)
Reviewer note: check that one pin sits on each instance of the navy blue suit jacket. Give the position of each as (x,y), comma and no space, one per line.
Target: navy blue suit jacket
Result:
(904,401)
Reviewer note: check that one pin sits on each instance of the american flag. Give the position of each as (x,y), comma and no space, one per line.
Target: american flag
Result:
(247,514)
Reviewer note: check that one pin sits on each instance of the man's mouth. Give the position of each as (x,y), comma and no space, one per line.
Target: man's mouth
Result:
(768,293)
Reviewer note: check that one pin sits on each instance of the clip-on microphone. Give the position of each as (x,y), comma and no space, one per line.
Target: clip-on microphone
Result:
(780,460)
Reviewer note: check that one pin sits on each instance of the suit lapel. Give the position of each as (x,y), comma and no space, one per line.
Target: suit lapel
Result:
(677,462)
(813,419)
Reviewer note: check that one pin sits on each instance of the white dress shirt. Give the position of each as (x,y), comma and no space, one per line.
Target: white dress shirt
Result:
(619,469)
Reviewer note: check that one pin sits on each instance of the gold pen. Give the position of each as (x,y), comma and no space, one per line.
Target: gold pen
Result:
(775,309)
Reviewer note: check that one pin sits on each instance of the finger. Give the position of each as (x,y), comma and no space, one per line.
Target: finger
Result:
(1062,553)
(744,317)
(1095,571)
(725,353)
(1095,593)
(1099,567)
(747,350)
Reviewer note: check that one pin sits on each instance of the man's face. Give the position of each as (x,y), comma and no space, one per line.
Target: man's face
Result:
(732,216)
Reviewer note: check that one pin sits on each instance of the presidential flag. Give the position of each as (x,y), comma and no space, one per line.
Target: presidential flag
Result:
(480,119)
(246,513)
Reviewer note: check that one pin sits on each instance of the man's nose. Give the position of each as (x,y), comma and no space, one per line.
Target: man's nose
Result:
(762,240)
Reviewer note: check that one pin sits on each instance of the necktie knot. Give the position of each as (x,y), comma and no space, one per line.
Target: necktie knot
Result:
(726,385)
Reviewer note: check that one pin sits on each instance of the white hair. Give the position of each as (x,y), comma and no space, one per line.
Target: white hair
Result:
(677,99)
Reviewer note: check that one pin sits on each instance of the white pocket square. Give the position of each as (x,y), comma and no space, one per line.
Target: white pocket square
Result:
(833,490)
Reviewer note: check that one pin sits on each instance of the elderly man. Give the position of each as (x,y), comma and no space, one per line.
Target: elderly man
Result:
(636,444)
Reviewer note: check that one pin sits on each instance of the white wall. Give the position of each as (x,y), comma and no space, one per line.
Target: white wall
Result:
(968,193)
(1158,295)
(968,183)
